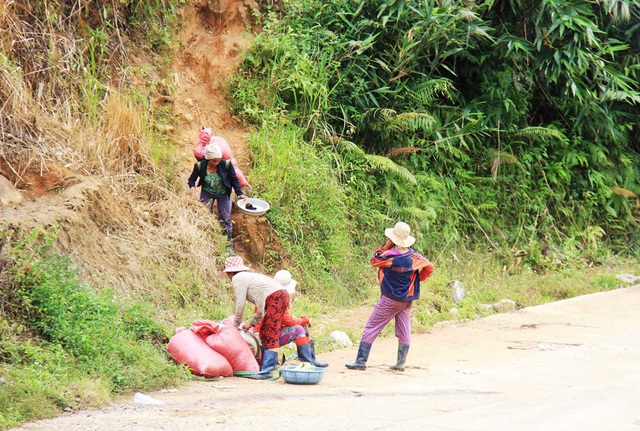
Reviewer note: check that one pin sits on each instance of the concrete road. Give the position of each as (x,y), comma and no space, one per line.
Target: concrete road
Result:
(569,365)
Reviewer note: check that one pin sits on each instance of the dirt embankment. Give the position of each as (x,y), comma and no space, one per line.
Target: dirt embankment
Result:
(215,34)
(111,235)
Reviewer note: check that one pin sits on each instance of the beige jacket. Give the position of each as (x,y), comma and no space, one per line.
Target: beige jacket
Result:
(255,288)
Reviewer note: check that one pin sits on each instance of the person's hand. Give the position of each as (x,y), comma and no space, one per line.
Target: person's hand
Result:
(192,192)
(247,326)
(242,197)
(387,246)
(306,321)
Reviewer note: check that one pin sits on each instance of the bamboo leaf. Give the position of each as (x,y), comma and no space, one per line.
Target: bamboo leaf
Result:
(385,164)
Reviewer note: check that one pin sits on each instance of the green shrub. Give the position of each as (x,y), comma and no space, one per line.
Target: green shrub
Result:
(458,123)
(70,346)
(308,212)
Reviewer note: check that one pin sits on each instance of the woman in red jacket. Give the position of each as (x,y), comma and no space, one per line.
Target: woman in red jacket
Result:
(295,329)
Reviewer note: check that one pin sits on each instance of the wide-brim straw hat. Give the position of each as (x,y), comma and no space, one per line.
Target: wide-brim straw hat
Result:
(399,234)
(233,264)
(284,278)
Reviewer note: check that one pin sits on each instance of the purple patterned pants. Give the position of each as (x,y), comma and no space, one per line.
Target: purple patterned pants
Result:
(385,310)
(289,334)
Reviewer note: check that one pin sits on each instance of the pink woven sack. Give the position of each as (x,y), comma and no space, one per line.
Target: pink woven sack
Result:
(227,341)
(185,347)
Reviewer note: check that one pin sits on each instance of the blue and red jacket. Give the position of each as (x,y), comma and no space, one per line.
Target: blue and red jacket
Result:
(399,275)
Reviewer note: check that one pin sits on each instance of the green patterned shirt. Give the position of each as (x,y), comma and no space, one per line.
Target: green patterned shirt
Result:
(213,184)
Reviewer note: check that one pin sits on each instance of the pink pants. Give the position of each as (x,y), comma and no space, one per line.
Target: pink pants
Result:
(385,310)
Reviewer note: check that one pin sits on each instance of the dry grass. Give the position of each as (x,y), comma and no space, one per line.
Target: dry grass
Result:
(119,219)
(167,245)
(79,149)
(51,99)
(122,133)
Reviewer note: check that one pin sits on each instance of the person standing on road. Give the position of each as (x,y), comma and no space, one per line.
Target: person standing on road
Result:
(216,178)
(271,300)
(400,271)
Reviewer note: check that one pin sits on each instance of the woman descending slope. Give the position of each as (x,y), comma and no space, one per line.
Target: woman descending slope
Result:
(216,178)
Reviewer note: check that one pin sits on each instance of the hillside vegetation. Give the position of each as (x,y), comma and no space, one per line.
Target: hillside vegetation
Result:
(506,135)
(511,124)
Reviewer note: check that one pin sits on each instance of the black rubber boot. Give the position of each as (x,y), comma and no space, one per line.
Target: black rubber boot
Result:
(269,362)
(230,242)
(305,355)
(313,355)
(361,360)
(403,349)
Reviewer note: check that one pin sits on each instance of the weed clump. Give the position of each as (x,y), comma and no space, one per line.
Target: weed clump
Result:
(65,345)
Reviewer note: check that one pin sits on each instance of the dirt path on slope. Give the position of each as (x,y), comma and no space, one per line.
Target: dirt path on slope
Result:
(568,365)
(215,34)
(211,46)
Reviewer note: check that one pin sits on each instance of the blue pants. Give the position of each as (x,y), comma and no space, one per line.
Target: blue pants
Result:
(223,205)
